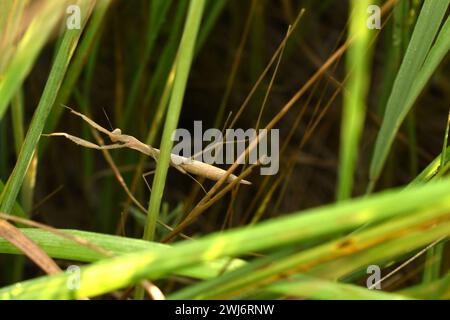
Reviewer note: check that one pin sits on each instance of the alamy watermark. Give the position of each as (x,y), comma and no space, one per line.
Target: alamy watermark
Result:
(74,277)
(73,21)
(374,20)
(229,147)
(374,280)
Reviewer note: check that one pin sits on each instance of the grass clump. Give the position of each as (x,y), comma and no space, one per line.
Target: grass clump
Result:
(363,154)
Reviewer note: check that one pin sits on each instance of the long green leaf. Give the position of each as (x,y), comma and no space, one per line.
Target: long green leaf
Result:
(56,76)
(416,69)
(314,223)
(314,288)
(268,269)
(358,66)
(90,35)
(28,49)
(184,61)
(62,248)
(158,12)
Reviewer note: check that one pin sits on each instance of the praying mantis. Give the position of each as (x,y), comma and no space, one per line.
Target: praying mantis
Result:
(120,140)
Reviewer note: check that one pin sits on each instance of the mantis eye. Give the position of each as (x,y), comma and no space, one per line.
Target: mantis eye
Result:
(117,131)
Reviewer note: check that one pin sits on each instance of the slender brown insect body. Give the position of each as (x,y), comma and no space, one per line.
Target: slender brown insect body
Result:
(183,164)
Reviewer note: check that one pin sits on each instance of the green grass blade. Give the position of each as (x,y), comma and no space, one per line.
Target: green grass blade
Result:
(314,288)
(17,108)
(27,51)
(162,74)
(90,36)
(184,61)
(381,255)
(433,263)
(396,42)
(65,51)
(158,13)
(17,209)
(414,72)
(214,10)
(358,67)
(437,54)
(294,228)
(27,192)
(264,270)
(439,289)
(61,248)
(432,170)
(435,254)
(11,13)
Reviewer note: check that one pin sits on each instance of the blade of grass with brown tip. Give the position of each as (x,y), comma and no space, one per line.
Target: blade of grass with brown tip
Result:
(28,247)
